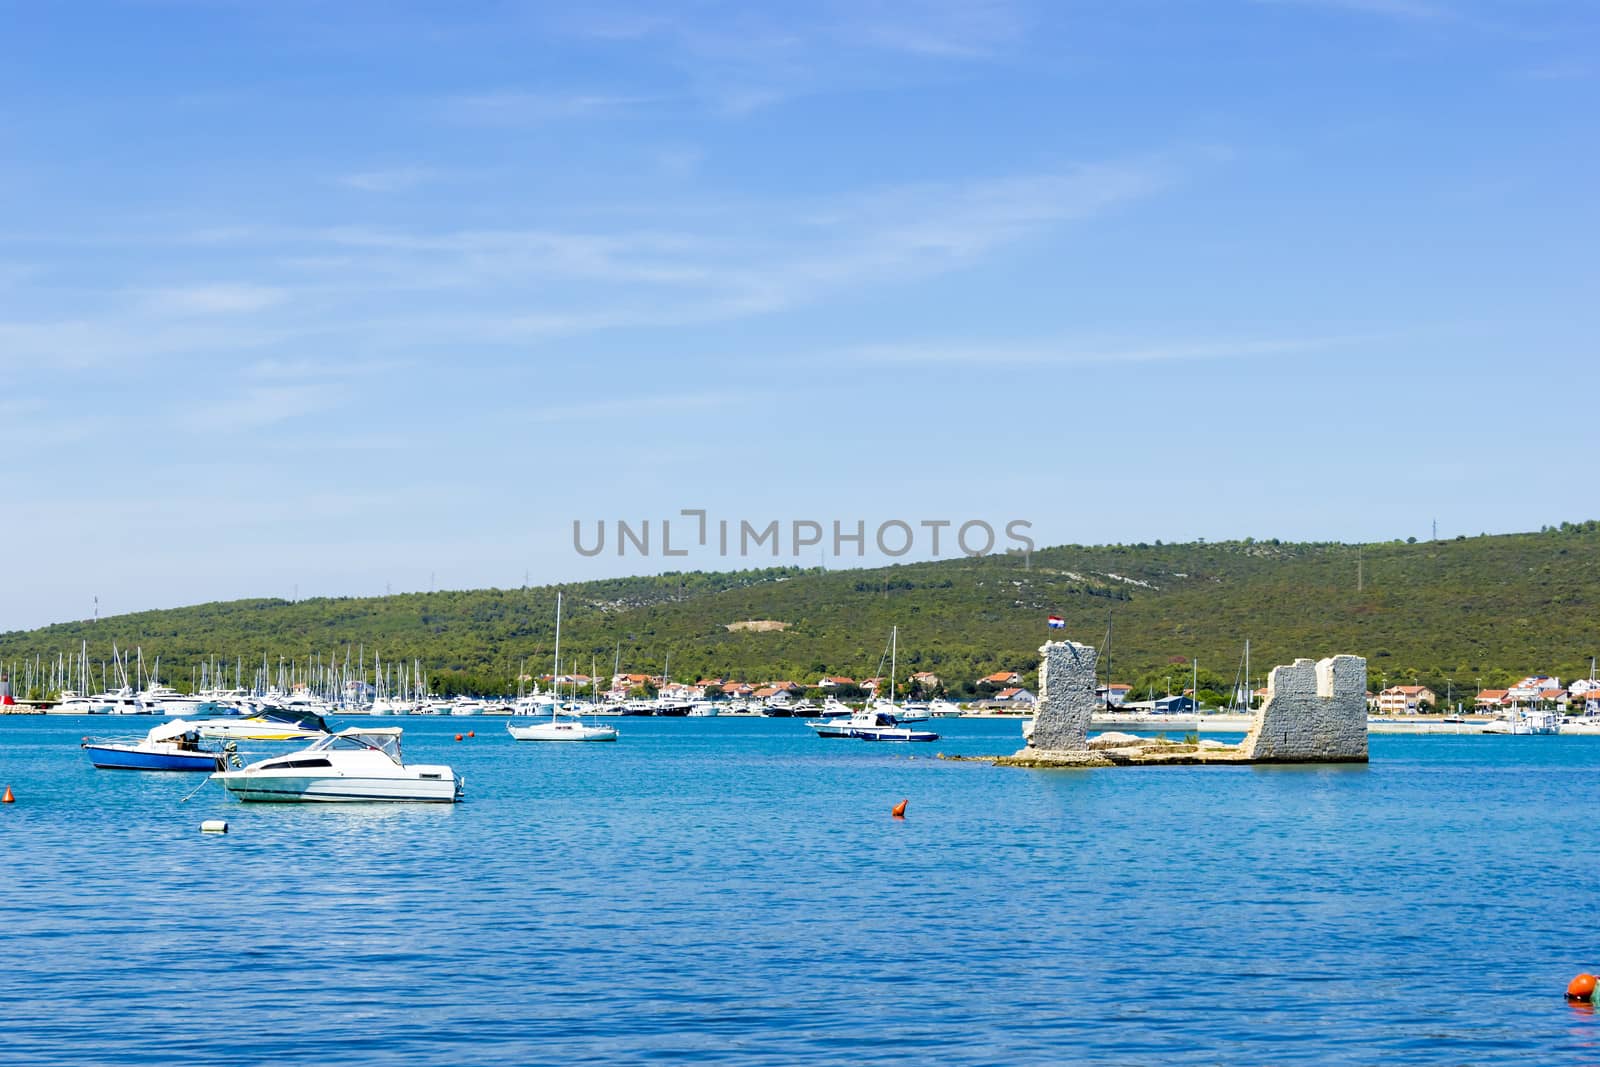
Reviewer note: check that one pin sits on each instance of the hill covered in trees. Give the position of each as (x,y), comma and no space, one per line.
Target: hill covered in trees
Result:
(1459,614)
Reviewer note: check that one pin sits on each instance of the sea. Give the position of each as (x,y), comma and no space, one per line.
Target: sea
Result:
(735,890)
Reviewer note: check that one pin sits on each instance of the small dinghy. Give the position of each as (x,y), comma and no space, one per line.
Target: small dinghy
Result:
(172,746)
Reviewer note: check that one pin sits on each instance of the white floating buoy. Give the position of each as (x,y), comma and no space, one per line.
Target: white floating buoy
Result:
(214,826)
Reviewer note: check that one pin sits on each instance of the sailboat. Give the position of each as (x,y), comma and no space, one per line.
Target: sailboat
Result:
(562,725)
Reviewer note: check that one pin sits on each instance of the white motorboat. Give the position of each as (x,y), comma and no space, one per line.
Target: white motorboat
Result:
(834,708)
(910,712)
(703,709)
(944,709)
(870,724)
(1525,721)
(879,720)
(350,766)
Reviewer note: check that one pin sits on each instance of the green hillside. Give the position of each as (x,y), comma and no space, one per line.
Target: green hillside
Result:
(1471,609)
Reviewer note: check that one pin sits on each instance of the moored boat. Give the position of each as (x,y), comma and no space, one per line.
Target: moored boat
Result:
(347,767)
(172,746)
(562,726)
(270,724)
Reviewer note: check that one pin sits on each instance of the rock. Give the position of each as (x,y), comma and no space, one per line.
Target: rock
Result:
(1113,739)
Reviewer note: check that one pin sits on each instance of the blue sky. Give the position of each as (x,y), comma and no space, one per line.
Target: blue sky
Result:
(334,298)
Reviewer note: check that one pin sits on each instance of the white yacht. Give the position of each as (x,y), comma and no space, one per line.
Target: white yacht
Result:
(123,702)
(349,766)
(834,708)
(72,703)
(911,711)
(165,700)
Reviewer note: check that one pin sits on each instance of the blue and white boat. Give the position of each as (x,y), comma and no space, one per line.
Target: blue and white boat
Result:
(172,746)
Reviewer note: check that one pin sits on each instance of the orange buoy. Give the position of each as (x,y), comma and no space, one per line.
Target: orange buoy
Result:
(899,810)
(472,733)
(1580,988)
(458,737)
(9,799)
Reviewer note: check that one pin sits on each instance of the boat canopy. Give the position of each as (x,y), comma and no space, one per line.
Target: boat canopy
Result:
(171,731)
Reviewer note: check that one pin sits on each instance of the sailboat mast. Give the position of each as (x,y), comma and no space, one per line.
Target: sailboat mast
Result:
(894,648)
(555,679)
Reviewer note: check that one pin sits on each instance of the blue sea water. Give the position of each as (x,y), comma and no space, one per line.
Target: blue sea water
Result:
(734,890)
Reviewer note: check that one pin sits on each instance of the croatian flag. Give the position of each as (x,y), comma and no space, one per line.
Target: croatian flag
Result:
(1056,622)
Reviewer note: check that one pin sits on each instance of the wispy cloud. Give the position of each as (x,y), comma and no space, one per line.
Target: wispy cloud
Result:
(1405,9)
(638,407)
(118,340)
(513,107)
(738,59)
(213,299)
(1069,352)
(939,29)
(315,370)
(256,406)
(272,391)
(392,180)
(1567,70)
(386,293)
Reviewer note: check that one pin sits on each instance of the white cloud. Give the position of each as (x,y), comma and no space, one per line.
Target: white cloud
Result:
(603,411)
(376,294)
(213,299)
(256,406)
(519,108)
(393,180)
(1406,9)
(739,59)
(1067,351)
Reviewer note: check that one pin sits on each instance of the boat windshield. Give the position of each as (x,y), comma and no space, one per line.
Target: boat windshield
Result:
(304,719)
(385,741)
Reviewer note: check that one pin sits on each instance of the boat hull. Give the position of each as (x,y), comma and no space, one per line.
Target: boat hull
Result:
(251,729)
(897,735)
(444,788)
(132,758)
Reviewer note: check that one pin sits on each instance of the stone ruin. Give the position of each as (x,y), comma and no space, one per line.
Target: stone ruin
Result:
(1067,700)
(1315,712)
